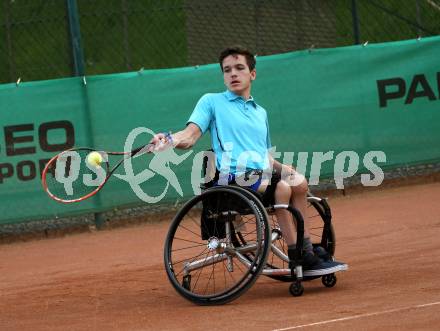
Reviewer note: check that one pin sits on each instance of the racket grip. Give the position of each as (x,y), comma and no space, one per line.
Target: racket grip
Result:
(168,137)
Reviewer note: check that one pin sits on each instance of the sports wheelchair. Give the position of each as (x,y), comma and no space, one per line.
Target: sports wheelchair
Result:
(223,239)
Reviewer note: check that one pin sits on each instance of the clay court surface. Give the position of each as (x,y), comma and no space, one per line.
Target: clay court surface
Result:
(115,279)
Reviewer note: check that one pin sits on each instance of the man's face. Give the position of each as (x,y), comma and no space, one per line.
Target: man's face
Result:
(237,75)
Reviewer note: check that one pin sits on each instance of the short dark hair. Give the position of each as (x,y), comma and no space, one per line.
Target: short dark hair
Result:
(238,50)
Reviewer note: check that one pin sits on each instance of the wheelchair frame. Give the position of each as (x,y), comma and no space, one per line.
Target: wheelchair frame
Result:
(239,255)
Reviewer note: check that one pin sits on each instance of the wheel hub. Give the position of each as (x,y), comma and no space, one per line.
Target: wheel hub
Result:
(213,243)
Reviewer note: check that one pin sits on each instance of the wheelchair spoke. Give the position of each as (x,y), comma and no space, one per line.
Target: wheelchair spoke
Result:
(211,276)
(199,272)
(190,241)
(183,227)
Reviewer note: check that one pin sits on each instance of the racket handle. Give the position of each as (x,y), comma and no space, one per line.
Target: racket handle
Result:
(141,150)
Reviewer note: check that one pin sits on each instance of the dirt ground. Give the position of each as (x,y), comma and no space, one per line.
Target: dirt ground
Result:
(115,279)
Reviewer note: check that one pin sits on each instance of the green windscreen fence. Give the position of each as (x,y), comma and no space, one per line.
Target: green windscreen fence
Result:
(328,102)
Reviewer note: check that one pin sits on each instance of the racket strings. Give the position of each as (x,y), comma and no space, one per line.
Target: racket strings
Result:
(70,176)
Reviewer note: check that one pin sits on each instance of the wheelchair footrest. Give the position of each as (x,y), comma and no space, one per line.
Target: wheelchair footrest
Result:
(326,271)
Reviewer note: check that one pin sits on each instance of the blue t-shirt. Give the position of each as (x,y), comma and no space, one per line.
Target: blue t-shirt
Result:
(239,131)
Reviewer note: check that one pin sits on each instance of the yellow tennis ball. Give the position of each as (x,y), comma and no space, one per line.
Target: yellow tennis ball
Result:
(94,159)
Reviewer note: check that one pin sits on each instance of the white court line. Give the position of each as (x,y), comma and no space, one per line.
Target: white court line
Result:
(360,316)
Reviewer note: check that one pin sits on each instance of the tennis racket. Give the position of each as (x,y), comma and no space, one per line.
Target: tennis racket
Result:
(74,176)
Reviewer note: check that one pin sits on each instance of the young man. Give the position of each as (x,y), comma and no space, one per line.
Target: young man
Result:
(239,125)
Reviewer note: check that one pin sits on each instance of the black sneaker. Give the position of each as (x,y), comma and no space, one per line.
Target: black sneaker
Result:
(322,253)
(314,266)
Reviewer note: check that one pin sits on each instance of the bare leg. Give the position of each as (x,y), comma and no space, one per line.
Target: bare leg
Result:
(283,195)
(296,195)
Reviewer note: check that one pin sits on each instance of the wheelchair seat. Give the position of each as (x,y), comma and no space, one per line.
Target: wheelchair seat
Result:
(211,175)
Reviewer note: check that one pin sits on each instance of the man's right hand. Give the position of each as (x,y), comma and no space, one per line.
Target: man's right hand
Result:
(161,141)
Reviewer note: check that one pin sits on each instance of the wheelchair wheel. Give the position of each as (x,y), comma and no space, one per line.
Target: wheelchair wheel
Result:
(322,235)
(203,260)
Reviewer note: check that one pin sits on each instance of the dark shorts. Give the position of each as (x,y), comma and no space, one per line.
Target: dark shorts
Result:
(268,197)
(250,179)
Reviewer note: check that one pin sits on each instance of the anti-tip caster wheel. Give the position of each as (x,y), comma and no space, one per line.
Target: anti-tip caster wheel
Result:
(186,282)
(296,289)
(329,280)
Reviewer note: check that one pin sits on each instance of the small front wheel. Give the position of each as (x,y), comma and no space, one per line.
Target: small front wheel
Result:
(186,282)
(329,280)
(296,289)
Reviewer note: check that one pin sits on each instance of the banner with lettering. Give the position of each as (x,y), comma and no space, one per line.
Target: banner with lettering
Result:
(333,113)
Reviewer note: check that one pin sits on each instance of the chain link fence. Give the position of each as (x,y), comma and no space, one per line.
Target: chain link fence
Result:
(45,39)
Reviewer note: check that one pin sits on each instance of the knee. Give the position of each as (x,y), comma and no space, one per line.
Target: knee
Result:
(300,185)
(282,191)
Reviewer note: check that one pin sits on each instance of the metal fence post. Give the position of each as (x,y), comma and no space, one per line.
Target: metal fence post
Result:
(78,70)
(125,34)
(419,21)
(354,14)
(75,38)
(9,41)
